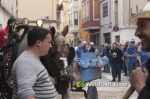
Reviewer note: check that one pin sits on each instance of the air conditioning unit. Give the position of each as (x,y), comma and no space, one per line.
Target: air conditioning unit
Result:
(45,17)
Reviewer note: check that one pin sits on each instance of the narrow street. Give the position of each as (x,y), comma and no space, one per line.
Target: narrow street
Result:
(106,92)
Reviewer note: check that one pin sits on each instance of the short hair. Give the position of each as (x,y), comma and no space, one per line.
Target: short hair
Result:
(36,33)
(115,43)
(10,20)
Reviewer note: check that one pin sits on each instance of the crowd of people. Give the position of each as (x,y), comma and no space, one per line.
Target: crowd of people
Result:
(122,57)
(126,57)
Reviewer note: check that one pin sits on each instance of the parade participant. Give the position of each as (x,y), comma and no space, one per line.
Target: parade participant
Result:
(84,47)
(31,79)
(116,59)
(92,49)
(4,31)
(142,56)
(140,78)
(106,52)
(79,50)
(125,64)
(132,56)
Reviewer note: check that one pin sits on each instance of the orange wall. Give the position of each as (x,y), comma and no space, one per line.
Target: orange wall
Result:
(83,34)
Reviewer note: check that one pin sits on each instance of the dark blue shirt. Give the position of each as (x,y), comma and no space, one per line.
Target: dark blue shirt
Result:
(144,55)
(100,50)
(130,51)
(78,52)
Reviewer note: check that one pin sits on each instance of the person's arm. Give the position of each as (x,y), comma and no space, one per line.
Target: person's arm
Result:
(122,54)
(139,59)
(26,78)
(127,53)
(77,53)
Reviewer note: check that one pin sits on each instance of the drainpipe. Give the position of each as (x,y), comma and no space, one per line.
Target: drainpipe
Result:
(110,18)
(129,11)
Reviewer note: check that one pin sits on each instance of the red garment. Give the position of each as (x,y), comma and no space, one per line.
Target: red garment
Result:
(3,32)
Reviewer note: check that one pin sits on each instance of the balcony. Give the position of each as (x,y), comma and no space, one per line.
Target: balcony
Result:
(73,29)
(73,4)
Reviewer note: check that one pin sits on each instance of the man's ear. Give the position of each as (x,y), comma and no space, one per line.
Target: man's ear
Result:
(38,42)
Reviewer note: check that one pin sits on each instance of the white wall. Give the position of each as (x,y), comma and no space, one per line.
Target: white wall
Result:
(127,30)
(105,22)
(125,34)
(8,4)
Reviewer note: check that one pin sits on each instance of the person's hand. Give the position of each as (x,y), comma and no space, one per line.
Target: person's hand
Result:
(52,79)
(135,54)
(138,78)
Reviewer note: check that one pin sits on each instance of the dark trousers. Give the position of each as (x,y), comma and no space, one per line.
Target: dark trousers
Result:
(124,67)
(116,70)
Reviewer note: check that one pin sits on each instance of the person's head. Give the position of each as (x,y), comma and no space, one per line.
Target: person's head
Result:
(132,42)
(114,45)
(39,38)
(126,42)
(105,45)
(9,24)
(142,20)
(10,21)
(119,45)
(84,43)
(80,45)
(91,44)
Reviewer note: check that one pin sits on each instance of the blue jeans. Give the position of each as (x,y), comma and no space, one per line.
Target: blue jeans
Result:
(116,69)
(132,66)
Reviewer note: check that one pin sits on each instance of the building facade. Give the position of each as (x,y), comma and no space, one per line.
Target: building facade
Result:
(91,19)
(106,22)
(8,8)
(115,14)
(74,20)
(122,10)
(83,34)
(39,9)
(65,21)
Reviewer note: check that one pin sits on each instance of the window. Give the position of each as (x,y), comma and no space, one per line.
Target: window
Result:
(105,9)
(117,39)
(82,13)
(71,19)
(107,38)
(87,10)
(76,18)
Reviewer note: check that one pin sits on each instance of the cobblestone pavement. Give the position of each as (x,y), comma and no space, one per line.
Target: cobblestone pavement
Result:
(107,92)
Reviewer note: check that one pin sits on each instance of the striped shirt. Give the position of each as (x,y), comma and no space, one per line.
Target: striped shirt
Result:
(30,78)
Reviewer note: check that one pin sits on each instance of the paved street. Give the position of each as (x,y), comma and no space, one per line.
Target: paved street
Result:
(107,92)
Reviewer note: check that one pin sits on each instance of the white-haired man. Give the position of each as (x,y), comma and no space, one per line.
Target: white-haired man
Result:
(92,49)
(84,47)
(140,78)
